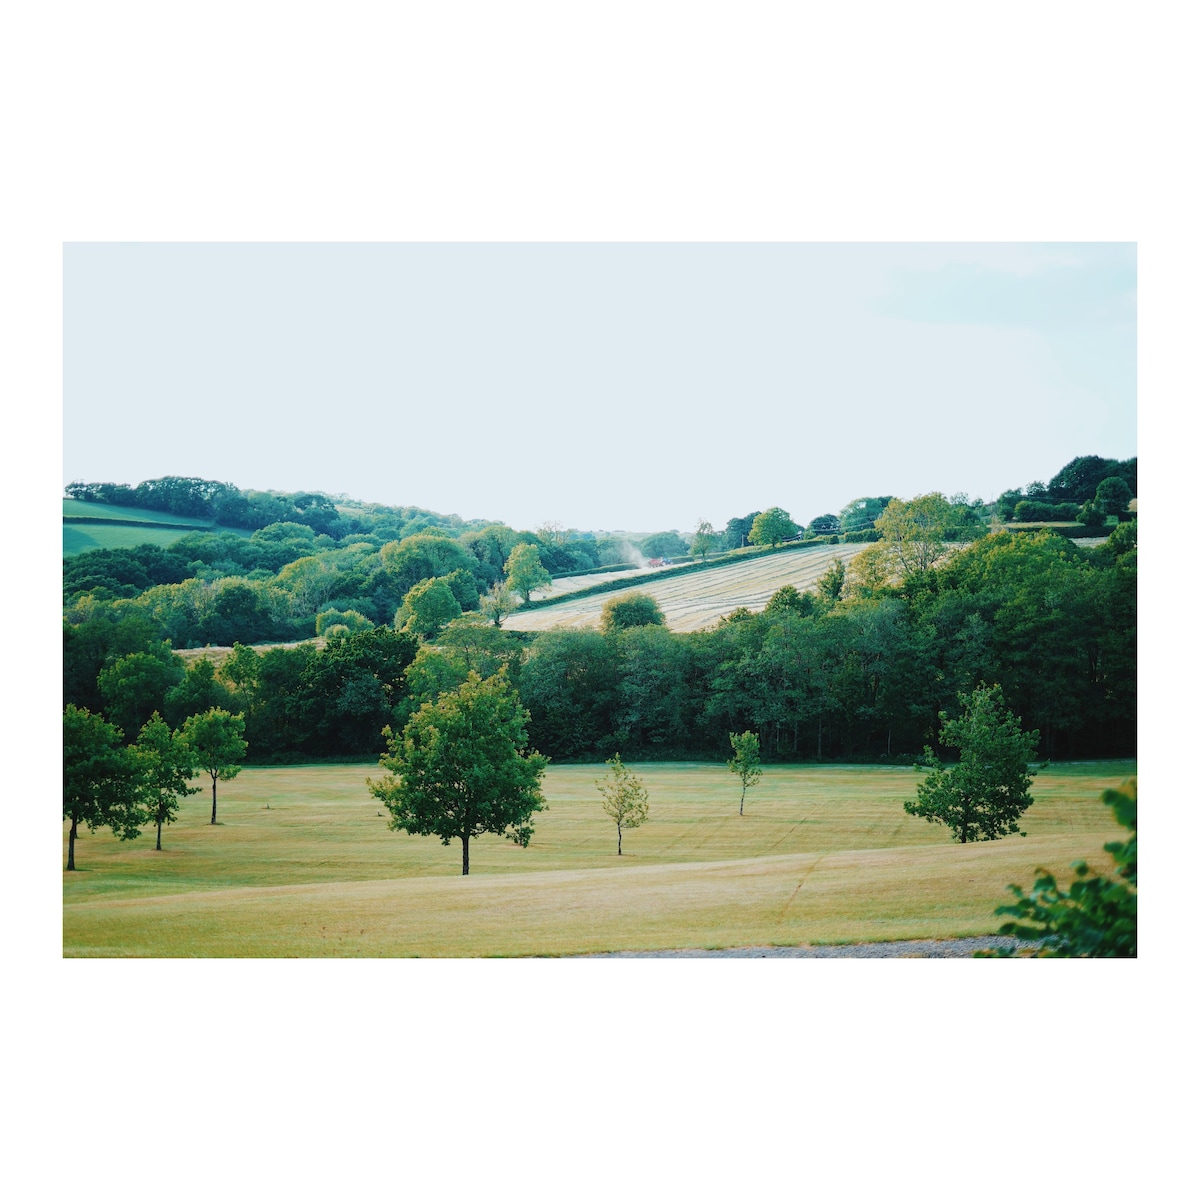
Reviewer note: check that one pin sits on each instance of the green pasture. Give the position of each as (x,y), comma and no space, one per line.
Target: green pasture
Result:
(121,531)
(303,864)
(118,512)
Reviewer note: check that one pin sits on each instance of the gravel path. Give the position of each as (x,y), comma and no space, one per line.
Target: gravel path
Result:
(950,948)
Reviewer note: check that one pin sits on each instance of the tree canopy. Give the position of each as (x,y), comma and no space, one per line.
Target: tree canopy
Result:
(623,797)
(101,778)
(460,768)
(525,572)
(167,764)
(983,797)
(771,527)
(215,740)
(628,610)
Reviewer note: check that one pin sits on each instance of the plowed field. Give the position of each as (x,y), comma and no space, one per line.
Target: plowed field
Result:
(697,600)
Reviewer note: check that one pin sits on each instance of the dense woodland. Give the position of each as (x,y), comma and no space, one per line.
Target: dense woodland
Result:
(858,671)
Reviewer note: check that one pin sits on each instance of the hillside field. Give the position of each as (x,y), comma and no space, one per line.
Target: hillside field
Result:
(302,864)
(89,526)
(697,600)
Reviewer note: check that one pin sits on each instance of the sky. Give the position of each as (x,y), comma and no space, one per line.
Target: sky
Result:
(604,386)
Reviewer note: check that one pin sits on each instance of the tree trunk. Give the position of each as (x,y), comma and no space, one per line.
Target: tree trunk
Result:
(159,845)
(214,816)
(618,841)
(466,855)
(742,806)
(71,844)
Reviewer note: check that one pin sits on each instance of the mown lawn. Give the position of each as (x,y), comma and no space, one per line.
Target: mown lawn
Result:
(302,863)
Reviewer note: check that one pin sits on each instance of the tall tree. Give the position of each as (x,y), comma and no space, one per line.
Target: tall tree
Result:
(1113,495)
(215,738)
(525,571)
(461,768)
(625,798)
(429,606)
(771,527)
(745,763)
(101,778)
(168,765)
(914,531)
(498,603)
(983,797)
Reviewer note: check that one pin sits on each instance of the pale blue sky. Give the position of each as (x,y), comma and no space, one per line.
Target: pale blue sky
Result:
(605,386)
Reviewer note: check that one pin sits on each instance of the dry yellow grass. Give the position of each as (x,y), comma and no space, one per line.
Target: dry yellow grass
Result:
(698,600)
(823,854)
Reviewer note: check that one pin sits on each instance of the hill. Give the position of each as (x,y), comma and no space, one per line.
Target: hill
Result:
(91,526)
(695,600)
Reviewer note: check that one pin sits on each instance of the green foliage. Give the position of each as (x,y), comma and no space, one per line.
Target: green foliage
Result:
(664,545)
(524,571)
(630,610)
(982,798)
(824,525)
(1039,510)
(914,531)
(861,514)
(167,764)
(498,603)
(216,743)
(102,778)
(703,540)
(428,608)
(737,530)
(772,527)
(745,763)
(460,768)
(1113,495)
(830,585)
(197,692)
(1092,515)
(137,684)
(1096,917)
(788,599)
(624,797)
(349,619)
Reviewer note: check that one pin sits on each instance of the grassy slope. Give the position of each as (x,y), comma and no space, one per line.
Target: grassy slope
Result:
(823,854)
(695,600)
(123,533)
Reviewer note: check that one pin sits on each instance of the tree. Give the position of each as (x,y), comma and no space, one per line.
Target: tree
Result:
(737,530)
(428,608)
(829,586)
(772,527)
(787,599)
(745,763)
(137,684)
(168,765)
(215,738)
(862,513)
(101,778)
(914,531)
(197,692)
(1092,515)
(824,525)
(664,545)
(1113,495)
(703,540)
(981,798)
(629,610)
(1096,917)
(498,603)
(524,570)
(625,798)
(461,768)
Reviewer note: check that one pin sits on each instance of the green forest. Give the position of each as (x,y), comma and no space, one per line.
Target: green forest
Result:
(947,595)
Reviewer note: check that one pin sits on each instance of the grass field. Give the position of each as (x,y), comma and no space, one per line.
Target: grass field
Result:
(695,601)
(302,864)
(122,531)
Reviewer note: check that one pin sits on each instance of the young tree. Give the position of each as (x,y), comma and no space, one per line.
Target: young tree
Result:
(628,610)
(101,778)
(524,570)
(772,527)
(461,768)
(829,586)
(625,797)
(215,739)
(703,540)
(745,763)
(498,603)
(428,608)
(168,765)
(981,798)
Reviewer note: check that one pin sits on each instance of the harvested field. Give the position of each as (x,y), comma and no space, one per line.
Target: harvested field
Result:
(218,654)
(698,600)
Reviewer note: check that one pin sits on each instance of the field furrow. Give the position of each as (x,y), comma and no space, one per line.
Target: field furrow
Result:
(699,600)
